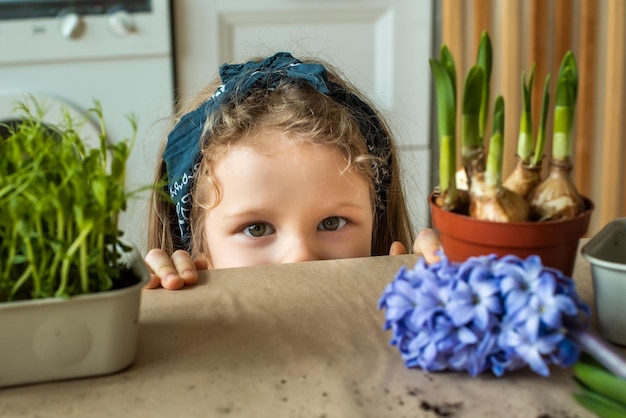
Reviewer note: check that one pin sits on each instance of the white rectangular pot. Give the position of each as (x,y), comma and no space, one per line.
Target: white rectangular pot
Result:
(86,335)
(606,252)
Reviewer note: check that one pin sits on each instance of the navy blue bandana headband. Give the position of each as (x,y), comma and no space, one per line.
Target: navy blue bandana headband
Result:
(182,152)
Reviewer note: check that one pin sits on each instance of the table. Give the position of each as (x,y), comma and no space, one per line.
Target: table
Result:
(296,340)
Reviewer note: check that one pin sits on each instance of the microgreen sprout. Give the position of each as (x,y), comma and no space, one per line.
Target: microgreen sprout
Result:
(59,207)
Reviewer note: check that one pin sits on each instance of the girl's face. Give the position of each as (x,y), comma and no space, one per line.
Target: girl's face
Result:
(285,202)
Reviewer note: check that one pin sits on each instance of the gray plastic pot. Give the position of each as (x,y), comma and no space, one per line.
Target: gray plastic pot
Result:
(606,252)
(86,335)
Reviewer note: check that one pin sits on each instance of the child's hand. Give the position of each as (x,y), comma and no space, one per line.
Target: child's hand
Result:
(427,243)
(172,273)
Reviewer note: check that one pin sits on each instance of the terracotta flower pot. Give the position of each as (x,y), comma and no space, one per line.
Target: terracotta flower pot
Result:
(556,242)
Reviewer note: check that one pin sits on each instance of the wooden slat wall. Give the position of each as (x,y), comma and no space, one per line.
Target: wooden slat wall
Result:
(587,69)
(540,32)
(538,52)
(508,55)
(614,153)
(481,19)
(453,33)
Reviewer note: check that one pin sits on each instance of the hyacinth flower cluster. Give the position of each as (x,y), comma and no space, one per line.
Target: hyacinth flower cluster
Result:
(485,314)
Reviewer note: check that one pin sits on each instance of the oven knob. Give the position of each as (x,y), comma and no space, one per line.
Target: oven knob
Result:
(72,26)
(122,22)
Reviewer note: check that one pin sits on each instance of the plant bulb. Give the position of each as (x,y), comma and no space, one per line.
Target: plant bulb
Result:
(496,204)
(556,197)
(523,179)
(489,199)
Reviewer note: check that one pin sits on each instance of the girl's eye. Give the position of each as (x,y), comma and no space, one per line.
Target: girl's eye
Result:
(332,223)
(258,230)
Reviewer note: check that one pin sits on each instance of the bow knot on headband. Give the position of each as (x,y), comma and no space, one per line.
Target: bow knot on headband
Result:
(183,150)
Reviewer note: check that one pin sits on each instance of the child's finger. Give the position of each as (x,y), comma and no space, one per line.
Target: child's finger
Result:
(154,282)
(427,243)
(163,270)
(397,248)
(185,266)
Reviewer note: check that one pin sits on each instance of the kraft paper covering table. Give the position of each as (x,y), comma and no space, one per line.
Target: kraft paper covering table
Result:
(299,340)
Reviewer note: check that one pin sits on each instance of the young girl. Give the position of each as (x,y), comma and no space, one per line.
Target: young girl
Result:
(279,161)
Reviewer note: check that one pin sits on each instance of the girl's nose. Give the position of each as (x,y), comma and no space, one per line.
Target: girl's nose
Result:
(300,248)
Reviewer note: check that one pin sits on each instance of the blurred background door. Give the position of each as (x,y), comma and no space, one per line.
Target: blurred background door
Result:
(382,46)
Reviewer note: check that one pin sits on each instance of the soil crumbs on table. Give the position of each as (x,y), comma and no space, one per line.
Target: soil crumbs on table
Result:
(557,414)
(446,409)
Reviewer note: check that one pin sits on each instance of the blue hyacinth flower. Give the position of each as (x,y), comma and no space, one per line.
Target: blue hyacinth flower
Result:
(485,314)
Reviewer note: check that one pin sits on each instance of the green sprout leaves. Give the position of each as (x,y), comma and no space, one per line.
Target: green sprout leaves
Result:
(493,172)
(565,105)
(472,142)
(59,208)
(444,75)
(525,143)
(543,121)
(484,60)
